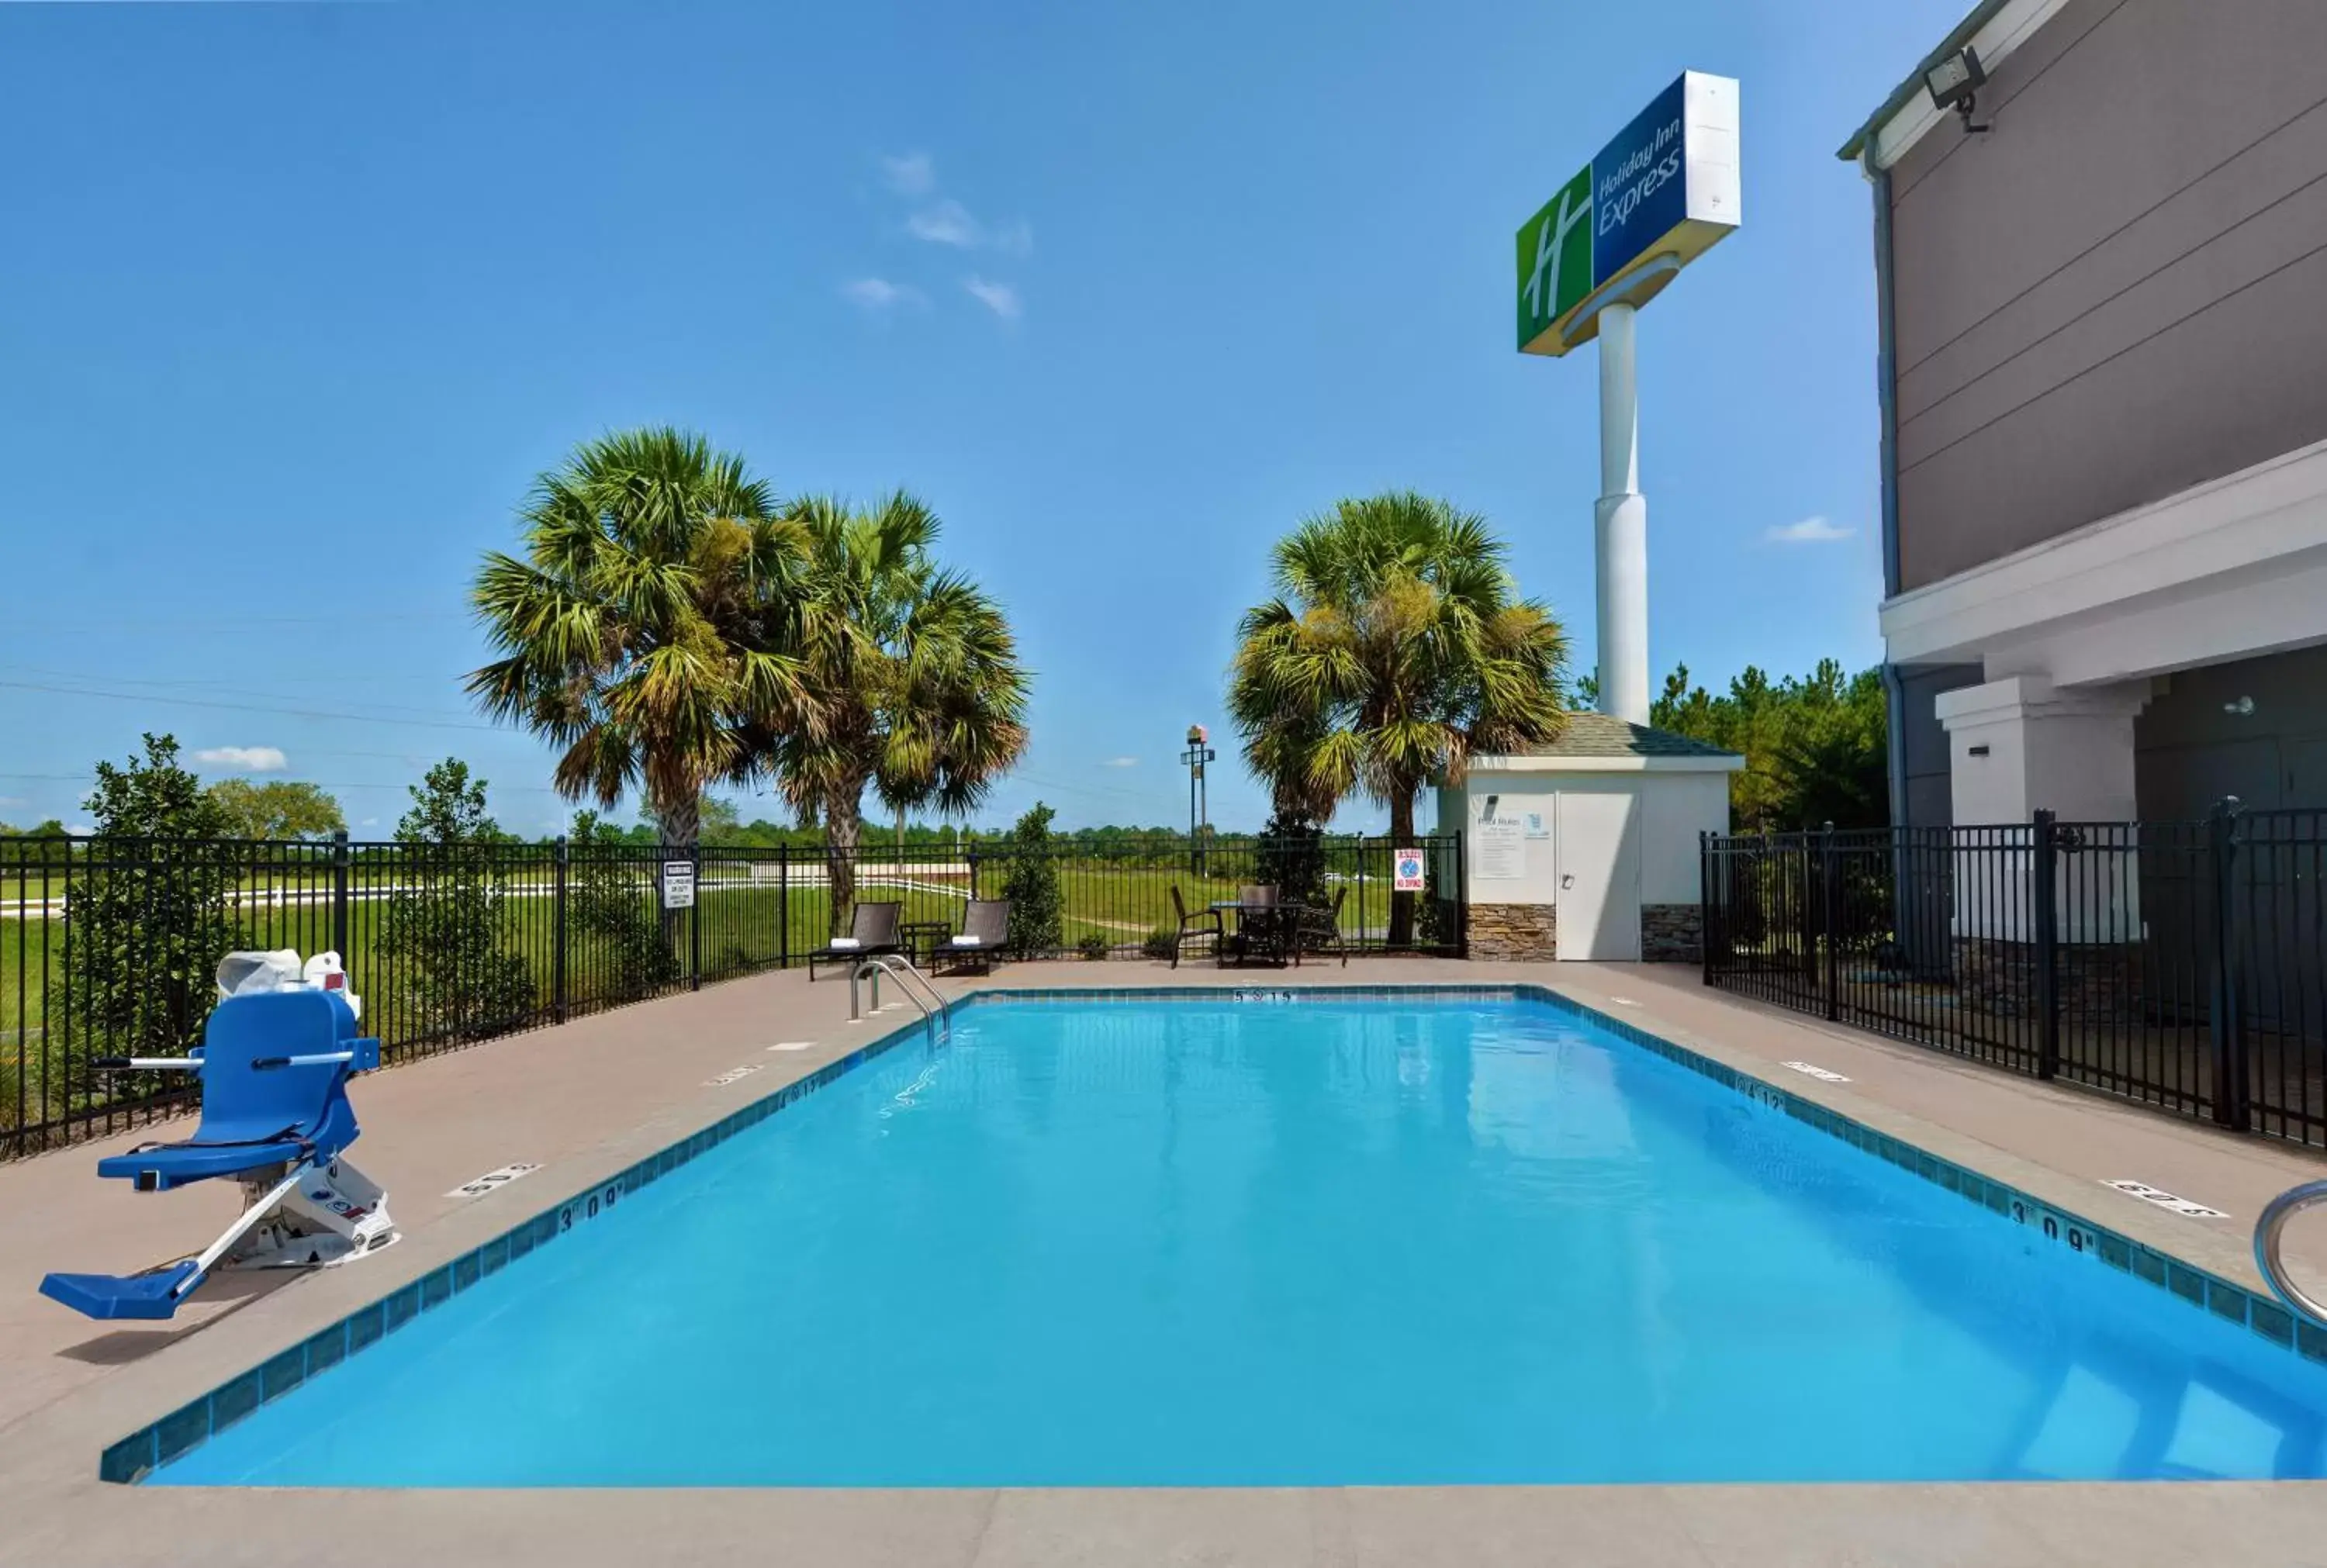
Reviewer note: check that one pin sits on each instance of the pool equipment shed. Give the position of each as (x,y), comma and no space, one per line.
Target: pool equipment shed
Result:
(1585,847)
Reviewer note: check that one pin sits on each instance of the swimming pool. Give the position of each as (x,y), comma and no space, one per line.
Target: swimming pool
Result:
(1342,1239)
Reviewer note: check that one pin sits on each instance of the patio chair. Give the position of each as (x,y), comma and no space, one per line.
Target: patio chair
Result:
(872,928)
(985,931)
(1317,929)
(274,1068)
(1203,923)
(1260,924)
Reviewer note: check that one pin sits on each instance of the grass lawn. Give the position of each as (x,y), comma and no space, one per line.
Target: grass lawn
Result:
(745,921)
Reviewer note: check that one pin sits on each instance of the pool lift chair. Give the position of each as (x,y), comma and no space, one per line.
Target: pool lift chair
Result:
(274,1066)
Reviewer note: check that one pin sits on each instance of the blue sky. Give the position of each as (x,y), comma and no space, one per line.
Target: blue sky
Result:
(296,299)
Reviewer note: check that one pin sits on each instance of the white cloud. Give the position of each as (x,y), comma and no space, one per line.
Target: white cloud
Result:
(369,822)
(998,297)
(1120,762)
(947,223)
(9,802)
(1808,531)
(910,173)
(256,759)
(81,829)
(878,293)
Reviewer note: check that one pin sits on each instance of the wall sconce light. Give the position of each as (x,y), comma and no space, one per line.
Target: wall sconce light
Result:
(1979,750)
(2243,707)
(1954,81)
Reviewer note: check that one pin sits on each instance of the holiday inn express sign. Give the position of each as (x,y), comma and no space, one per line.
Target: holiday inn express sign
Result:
(1655,200)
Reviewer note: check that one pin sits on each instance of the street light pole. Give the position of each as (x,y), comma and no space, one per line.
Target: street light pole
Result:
(1199,805)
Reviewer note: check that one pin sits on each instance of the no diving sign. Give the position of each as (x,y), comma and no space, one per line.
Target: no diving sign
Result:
(1406,874)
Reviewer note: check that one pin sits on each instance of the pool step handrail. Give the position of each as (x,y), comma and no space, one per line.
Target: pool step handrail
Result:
(939,1017)
(2269,1231)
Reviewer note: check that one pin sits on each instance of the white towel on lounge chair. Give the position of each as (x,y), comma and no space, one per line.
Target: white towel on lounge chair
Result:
(968,941)
(847,942)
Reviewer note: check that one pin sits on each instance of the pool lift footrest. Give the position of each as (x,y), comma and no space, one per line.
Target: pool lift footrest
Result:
(313,1216)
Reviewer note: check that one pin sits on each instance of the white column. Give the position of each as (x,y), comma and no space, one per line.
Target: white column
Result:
(1622,526)
(2020,745)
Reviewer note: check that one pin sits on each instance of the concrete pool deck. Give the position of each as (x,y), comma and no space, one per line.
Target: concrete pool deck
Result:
(587,1099)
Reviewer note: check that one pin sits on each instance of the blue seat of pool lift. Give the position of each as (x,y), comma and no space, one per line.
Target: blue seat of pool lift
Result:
(273,1070)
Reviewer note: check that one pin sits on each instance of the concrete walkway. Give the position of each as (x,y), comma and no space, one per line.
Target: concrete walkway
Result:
(590,1098)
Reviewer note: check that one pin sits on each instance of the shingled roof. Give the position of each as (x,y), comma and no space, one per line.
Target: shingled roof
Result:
(1606,735)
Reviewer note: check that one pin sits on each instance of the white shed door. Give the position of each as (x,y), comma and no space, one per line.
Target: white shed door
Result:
(1598,846)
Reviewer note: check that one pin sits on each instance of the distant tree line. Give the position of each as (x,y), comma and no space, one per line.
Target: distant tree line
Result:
(1817,747)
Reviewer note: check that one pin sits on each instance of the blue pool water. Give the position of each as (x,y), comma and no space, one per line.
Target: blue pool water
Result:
(1336,1241)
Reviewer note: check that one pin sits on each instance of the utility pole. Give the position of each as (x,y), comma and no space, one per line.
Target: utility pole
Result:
(1198,809)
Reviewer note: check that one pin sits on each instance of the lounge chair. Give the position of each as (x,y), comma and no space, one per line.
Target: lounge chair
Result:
(1203,923)
(274,1069)
(1317,929)
(985,931)
(872,928)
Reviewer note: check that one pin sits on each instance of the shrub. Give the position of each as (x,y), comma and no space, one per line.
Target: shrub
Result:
(1162,942)
(1092,946)
(440,935)
(616,912)
(151,916)
(1290,857)
(1031,885)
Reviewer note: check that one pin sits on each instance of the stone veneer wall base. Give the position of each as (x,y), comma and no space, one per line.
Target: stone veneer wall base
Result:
(1672,933)
(1528,933)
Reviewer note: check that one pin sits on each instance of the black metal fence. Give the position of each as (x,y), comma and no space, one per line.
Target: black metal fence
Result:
(2179,964)
(108,946)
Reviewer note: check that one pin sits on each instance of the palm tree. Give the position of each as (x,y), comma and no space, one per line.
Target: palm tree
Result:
(913,671)
(651,622)
(1394,650)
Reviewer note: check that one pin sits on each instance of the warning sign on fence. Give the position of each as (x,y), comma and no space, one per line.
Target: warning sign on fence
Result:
(678,884)
(1406,871)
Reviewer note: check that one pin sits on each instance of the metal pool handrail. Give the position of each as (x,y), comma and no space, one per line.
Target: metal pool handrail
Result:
(2268,1231)
(941,1021)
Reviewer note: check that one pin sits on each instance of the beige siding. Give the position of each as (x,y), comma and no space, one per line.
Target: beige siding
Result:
(2120,292)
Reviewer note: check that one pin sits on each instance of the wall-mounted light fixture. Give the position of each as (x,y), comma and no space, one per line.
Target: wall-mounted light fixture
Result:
(1979,750)
(2243,707)
(1955,82)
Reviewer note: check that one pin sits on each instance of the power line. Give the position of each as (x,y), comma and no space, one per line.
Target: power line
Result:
(236,624)
(247,707)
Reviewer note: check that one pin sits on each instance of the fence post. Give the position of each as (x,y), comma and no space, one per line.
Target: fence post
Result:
(1829,897)
(1704,905)
(695,919)
(2231,1106)
(1461,897)
(341,859)
(558,931)
(2047,900)
(783,906)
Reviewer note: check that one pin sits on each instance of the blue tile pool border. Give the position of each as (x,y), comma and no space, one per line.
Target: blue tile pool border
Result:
(172,1436)
(199,1420)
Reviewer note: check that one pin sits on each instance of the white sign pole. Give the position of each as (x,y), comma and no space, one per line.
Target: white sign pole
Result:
(1622,530)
